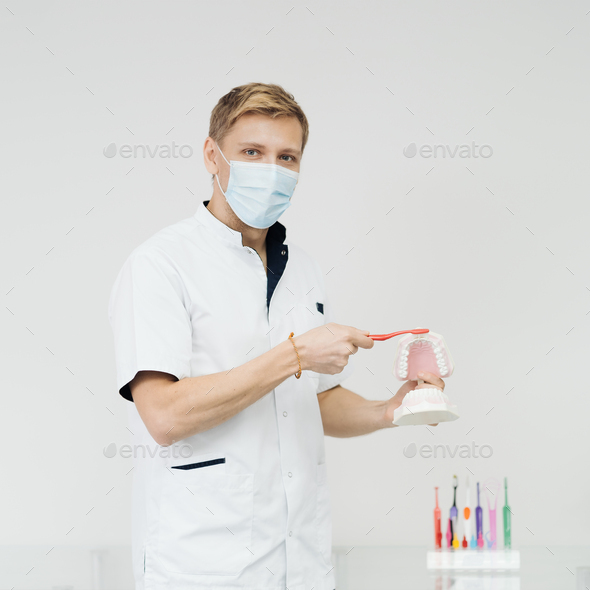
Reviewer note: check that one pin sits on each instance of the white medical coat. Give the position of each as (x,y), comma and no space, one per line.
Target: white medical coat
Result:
(251,508)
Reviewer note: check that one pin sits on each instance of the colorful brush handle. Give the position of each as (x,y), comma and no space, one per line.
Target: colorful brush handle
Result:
(478,522)
(491,539)
(507,528)
(480,541)
(466,516)
(437,530)
(454,527)
(381,337)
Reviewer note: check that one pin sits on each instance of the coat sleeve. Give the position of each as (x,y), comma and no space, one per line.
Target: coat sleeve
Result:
(150,319)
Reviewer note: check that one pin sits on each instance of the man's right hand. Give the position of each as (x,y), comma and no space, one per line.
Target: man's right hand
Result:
(326,349)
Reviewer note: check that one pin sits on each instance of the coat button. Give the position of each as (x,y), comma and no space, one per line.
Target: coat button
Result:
(290,474)
(284,413)
(283,252)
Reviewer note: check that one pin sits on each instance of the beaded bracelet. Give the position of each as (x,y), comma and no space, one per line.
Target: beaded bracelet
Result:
(298,374)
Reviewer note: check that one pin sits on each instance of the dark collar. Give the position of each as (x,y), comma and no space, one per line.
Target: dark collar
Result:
(276,232)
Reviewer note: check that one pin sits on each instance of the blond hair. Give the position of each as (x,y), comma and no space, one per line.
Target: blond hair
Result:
(266,99)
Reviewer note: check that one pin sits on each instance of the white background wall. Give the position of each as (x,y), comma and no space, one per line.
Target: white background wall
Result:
(491,252)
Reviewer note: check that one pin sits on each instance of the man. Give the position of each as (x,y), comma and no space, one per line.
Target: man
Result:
(224,343)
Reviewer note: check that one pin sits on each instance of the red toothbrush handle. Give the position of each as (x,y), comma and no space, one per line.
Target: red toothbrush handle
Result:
(387,336)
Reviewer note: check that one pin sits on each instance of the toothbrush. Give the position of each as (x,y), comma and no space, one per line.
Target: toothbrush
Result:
(456,542)
(507,514)
(466,515)
(454,512)
(480,540)
(479,521)
(449,534)
(495,484)
(437,530)
(461,543)
(381,337)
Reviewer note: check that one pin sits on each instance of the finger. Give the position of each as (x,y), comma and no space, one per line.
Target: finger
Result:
(352,348)
(432,379)
(433,424)
(361,338)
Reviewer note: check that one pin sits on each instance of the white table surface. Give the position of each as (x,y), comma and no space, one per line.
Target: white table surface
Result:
(404,568)
(356,568)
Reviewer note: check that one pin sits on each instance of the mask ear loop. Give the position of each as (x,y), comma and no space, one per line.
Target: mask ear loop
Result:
(222,153)
(217,175)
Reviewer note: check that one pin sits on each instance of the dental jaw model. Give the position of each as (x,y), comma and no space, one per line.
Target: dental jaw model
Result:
(423,352)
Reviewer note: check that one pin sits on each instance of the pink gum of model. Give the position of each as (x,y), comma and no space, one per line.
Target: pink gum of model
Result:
(426,352)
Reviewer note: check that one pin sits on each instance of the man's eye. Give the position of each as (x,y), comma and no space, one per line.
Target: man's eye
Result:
(292,158)
(251,150)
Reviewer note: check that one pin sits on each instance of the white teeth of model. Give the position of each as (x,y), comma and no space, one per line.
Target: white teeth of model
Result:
(428,404)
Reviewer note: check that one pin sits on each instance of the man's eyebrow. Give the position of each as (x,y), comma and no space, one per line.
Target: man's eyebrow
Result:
(259,145)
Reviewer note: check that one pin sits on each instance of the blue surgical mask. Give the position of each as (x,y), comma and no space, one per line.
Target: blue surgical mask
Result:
(258,193)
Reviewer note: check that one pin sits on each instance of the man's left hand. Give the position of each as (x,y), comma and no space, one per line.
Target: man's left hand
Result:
(430,380)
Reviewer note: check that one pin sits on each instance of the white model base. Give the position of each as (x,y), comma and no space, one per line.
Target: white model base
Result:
(473,559)
(425,406)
